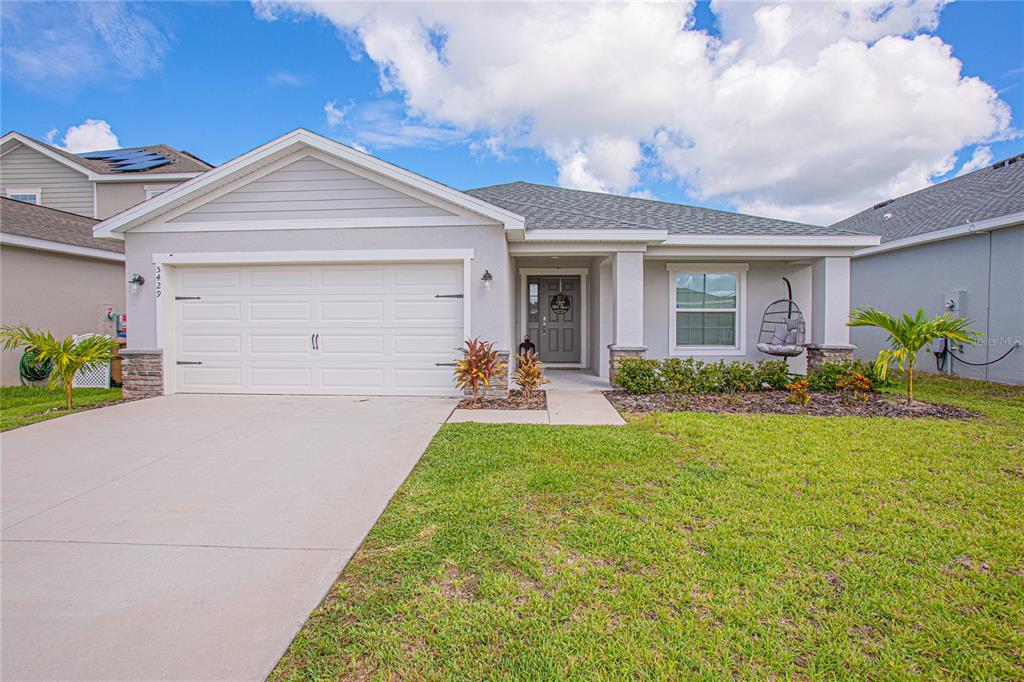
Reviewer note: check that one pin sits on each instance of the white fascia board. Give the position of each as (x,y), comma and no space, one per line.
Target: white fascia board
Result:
(948,233)
(642,235)
(286,144)
(57,247)
(772,240)
(347,256)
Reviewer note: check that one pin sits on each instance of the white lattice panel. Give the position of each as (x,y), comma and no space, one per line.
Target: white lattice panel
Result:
(94,377)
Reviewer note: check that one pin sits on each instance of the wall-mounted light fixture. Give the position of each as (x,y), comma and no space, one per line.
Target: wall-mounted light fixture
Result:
(487,279)
(135,282)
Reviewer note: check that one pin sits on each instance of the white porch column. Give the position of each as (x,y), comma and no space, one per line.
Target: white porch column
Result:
(606,312)
(830,311)
(627,308)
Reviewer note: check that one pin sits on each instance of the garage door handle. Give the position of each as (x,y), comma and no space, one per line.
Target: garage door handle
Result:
(318,342)
(185,362)
(312,341)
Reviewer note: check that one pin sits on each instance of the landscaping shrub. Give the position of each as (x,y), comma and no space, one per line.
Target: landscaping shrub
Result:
(798,394)
(638,375)
(832,376)
(772,373)
(529,373)
(678,374)
(711,377)
(740,376)
(480,364)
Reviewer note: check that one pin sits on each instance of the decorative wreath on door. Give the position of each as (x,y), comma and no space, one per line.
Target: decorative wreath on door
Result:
(560,304)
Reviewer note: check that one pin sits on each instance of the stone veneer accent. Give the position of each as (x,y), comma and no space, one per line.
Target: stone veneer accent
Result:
(142,373)
(499,385)
(818,353)
(616,355)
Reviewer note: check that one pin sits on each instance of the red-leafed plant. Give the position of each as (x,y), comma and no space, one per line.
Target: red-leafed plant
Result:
(530,373)
(480,364)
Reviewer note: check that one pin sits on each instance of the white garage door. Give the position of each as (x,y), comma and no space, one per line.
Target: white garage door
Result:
(366,329)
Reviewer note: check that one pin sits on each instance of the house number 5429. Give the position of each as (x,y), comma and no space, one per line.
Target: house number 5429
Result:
(159,281)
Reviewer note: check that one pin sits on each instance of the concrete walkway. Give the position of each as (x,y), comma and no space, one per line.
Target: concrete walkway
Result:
(565,406)
(189,537)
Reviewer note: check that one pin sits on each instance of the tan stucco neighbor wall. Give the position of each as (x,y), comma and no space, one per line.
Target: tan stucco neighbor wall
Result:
(55,292)
(114,197)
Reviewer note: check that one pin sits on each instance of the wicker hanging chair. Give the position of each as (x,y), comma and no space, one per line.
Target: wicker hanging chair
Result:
(782,327)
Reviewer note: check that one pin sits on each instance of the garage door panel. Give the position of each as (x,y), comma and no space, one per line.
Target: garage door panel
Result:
(352,311)
(274,344)
(381,329)
(367,345)
(210,343)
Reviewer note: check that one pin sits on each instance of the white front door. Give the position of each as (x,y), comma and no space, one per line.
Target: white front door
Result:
(358,329)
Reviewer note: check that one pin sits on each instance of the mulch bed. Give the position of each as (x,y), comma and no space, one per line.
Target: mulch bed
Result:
(515,401)
(774,402)
(85,408)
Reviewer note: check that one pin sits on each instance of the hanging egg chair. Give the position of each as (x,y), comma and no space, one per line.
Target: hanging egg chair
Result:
(782,327)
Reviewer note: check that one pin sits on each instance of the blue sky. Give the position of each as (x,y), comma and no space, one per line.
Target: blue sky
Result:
(220,78)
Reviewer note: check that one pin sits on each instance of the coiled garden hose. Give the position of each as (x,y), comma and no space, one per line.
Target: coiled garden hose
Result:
(31,369)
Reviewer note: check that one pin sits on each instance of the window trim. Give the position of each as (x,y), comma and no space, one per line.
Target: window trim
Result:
(153,191)
(738,269)
(38,191)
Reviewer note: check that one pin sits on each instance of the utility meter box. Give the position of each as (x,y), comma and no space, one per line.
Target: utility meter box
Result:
(955,302)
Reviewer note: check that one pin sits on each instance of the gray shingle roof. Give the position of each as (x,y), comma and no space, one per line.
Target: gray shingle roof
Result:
(40,222)
(546,207)
(987,193)
(181,161)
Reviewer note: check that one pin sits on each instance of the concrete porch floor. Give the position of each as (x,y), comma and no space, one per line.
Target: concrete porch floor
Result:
(575,380)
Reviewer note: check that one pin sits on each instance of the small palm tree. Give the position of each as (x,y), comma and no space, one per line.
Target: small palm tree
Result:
(66,355)
(908,335)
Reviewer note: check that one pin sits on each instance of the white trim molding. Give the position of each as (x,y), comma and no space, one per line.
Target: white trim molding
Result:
(771,240)
(979,227)
(582,273)
(738,269)
(642,235)
(347,256)
(286,145)
(58,247)
(37,191)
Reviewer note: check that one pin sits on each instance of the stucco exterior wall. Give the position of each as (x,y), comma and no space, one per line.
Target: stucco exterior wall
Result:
(490,309)
(986,267)
(62,188)
(114,197)
(55,292)
(764,285)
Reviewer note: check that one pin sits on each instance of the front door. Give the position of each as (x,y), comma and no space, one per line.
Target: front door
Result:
(554,317)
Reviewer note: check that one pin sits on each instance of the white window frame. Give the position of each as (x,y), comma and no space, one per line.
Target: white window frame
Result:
(11,191)
(738,269)
(156,190)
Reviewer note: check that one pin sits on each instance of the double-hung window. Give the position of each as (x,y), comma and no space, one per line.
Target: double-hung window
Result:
(706,308)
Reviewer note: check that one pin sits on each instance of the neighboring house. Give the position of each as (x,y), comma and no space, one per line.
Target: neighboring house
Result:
(305,266)
(957,246)
(54,275)
(92,184)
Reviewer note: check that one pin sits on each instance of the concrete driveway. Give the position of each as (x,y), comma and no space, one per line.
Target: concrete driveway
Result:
(188,537)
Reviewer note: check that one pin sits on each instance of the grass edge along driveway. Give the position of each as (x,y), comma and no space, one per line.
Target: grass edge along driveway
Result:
(694,545)
(24,405)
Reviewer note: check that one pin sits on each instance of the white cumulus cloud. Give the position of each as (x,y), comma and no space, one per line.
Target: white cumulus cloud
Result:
(89,136)
(981,157)
(809,111)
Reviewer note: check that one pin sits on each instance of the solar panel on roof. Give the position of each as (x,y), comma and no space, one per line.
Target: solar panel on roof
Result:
(129,159)
(144,165)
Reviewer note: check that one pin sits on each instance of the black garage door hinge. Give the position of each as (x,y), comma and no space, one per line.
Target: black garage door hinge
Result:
(448,296)
(187,298)
(186,362)
(444,364)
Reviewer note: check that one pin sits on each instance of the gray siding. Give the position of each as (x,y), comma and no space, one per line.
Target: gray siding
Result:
(987,267)
(63,188)
(310,189)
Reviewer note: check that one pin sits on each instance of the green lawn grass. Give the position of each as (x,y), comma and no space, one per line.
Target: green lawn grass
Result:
(22,405)
(694,545)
